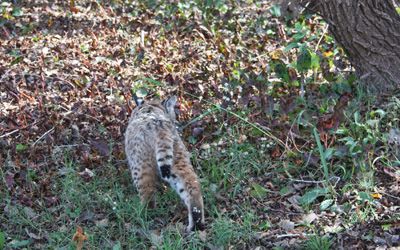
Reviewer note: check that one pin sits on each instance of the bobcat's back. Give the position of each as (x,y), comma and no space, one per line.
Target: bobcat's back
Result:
(155,151)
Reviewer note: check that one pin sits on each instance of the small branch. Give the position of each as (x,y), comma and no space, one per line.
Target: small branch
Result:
(322,36)
(18,129)
(41,137)
(305,181)
(337,179)
(9,133)
(68,146)
(5,74)
(293,235)
(391,196)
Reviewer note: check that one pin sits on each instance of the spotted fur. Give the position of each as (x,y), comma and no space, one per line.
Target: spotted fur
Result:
(156,152)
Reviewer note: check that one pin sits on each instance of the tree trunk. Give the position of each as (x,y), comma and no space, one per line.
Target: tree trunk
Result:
(369,31)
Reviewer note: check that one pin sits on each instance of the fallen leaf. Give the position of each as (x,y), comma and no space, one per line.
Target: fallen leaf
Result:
(79,237)
(325,204)
(32,235)
(313,194)
(376,195)
(286,225)
(336,228)
(156,237)
(101,146)
(276,152)
(87,174)
(102,223)
(19,243)
(258,191)
(29,212)
(10,180)
(197,131)
(328,53)
(309,218)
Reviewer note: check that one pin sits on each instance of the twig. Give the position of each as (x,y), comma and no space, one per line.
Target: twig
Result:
(322,36)
(9,133)
(6,32)
(285,212)
(305,181)
(18,129)
(5,74)
(71,145)
(293,235)
(318,182)
(63,80)
(391,196)
(41,137)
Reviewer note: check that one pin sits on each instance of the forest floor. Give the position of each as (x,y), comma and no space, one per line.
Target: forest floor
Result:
(291,152)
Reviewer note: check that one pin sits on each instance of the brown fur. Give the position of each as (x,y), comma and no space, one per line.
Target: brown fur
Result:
(155,151)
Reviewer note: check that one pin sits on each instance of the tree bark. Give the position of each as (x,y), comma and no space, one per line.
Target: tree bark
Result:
(369,31)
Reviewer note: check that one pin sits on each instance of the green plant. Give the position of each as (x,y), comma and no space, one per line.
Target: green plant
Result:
(224,231)
(318,243)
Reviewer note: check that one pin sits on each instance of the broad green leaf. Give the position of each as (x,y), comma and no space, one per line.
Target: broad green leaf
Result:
(342,131)
(152,81)
(291,46)
(141,93)
(16,12)
(258,191)
(284,191)
(373,122)
(364,196)
(379,112)
(275,10)
(328,153)
(357,118)
(299,36)
(304,60)
(281,70)
(84,48)
(310,196)
(315,61)
(325,204)
(21,147)
(19,243)
(236,74)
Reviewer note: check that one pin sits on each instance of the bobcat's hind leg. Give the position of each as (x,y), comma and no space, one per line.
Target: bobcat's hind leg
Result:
(147,183)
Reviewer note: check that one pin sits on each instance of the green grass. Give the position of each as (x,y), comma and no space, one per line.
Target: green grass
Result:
(318,243)
(108,208)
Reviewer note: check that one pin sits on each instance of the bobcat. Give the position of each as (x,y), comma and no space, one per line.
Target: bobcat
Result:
(155,151)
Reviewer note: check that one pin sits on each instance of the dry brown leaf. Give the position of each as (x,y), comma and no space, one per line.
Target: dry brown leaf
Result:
(79,238)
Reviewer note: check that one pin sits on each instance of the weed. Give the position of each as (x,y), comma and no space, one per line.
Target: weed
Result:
(318,243)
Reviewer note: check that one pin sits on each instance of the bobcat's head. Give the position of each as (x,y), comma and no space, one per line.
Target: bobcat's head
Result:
(169,107)
(165,107)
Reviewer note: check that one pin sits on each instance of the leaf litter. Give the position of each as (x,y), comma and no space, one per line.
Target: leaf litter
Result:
(67,74)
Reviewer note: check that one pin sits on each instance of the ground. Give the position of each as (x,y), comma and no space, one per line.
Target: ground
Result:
(291,154)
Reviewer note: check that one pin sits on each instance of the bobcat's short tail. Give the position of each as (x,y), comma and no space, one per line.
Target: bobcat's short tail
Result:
(197,217)
(197,210)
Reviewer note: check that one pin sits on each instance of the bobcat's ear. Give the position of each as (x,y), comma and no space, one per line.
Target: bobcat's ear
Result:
(169,104)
